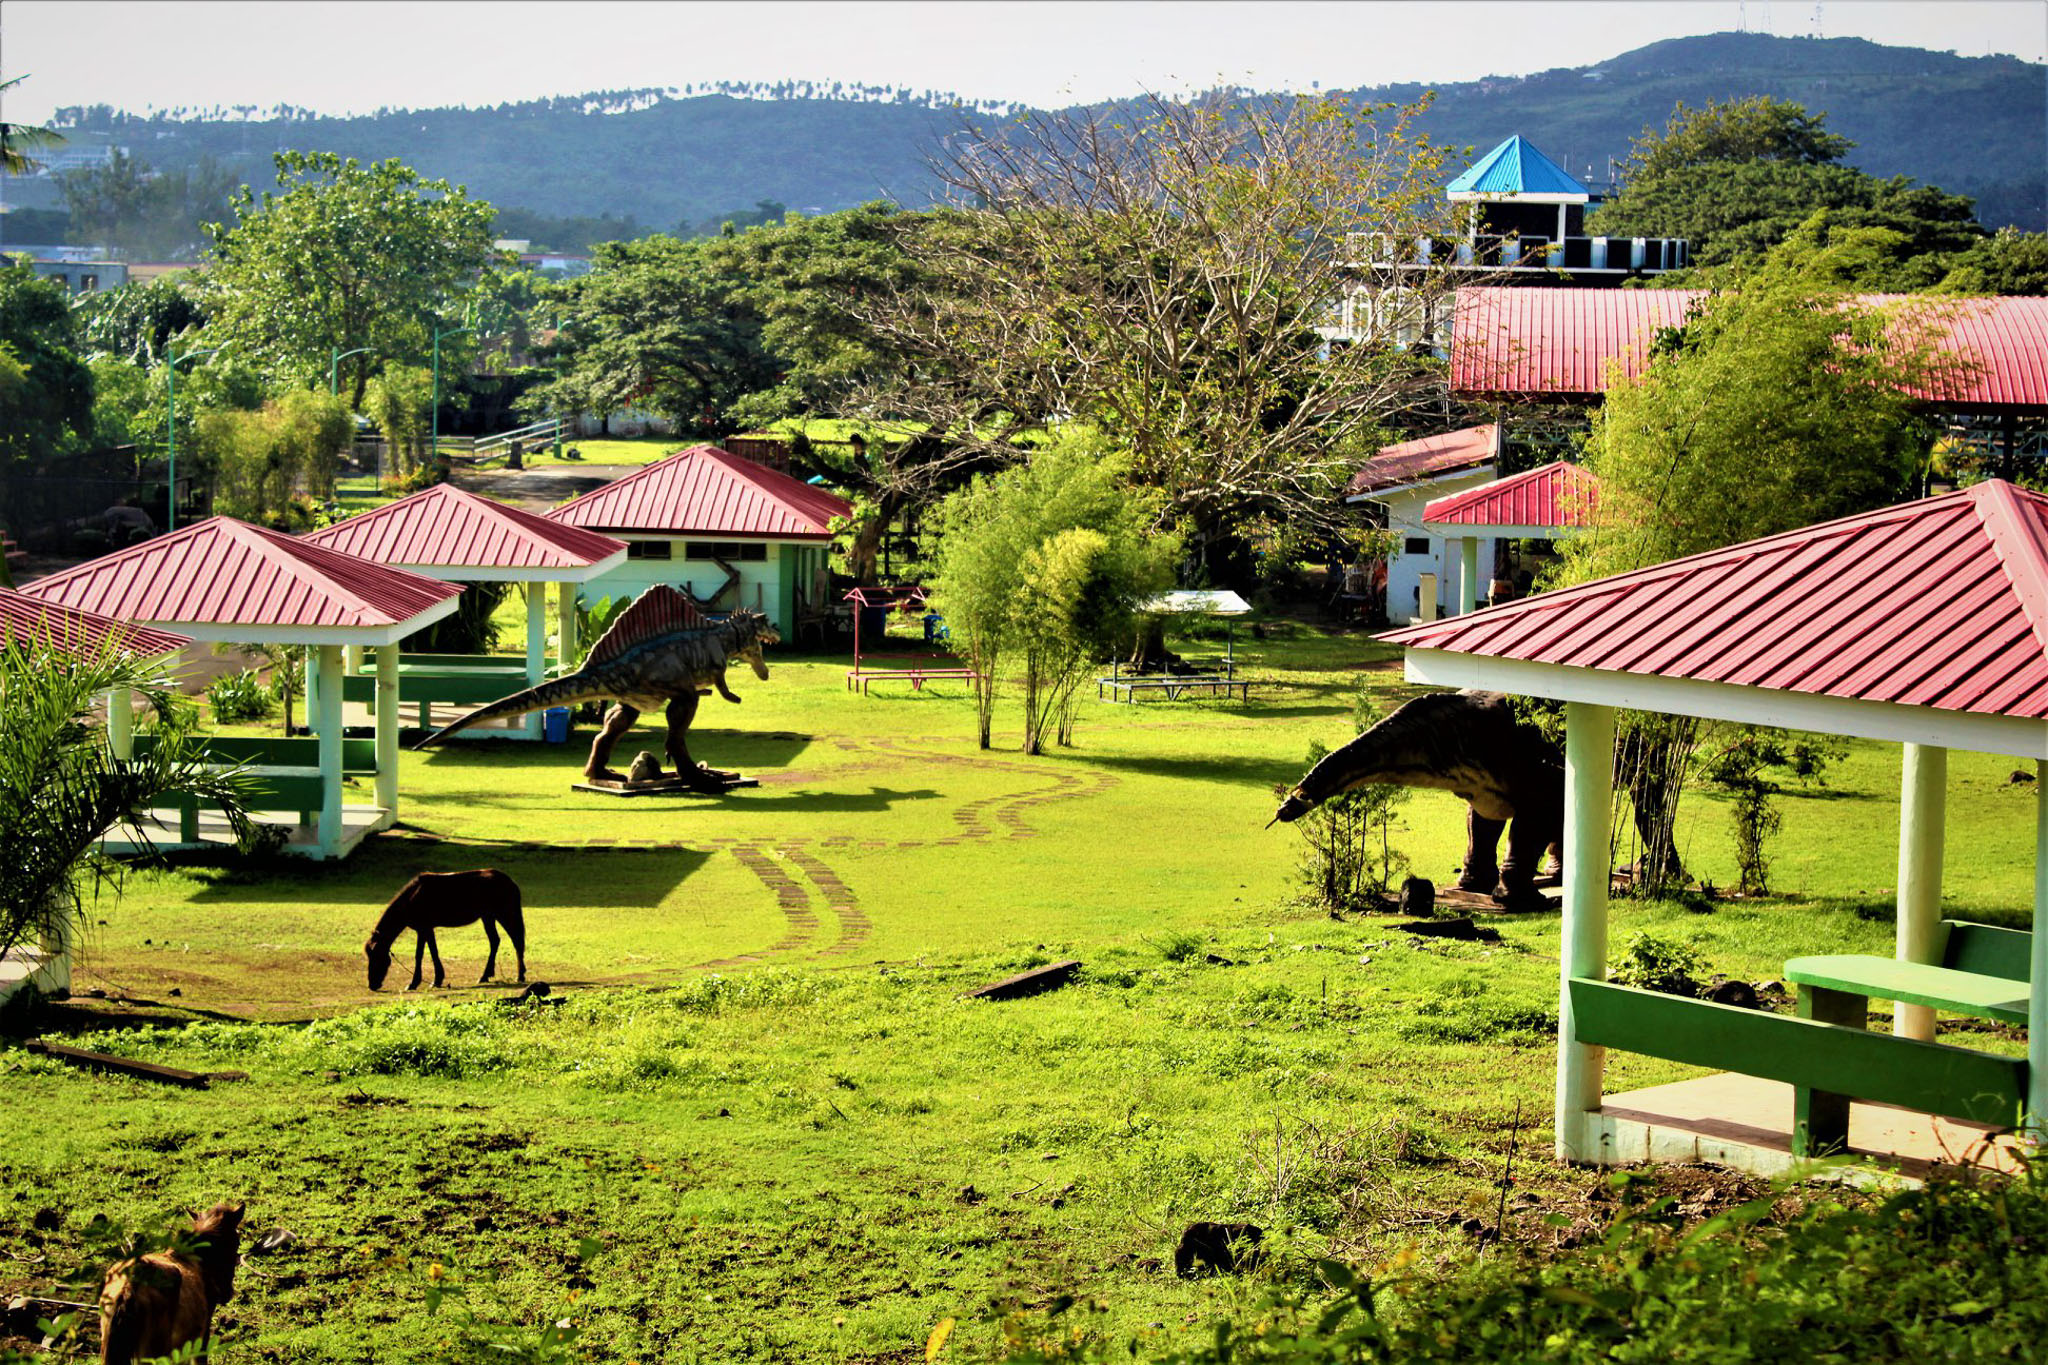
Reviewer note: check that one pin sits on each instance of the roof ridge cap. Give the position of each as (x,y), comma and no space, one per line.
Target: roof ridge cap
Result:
(2021,547)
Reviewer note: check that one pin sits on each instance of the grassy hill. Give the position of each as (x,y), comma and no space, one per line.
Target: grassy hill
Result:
(1969,124)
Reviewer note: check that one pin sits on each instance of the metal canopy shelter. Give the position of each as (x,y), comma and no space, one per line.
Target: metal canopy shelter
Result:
(1925,624)
(224,580)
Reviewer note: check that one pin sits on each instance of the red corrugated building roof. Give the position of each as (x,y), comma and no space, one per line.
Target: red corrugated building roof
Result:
(1555,497)
(445,527)
(226,572)
(1560,341)
(1398,466)
(30,619)
(1940,603)
(710,492)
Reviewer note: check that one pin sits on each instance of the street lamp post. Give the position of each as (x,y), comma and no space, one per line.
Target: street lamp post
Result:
(334,367)
(440,332)
(171,428)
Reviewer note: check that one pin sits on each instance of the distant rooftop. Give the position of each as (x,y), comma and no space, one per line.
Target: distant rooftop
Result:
(1517,167)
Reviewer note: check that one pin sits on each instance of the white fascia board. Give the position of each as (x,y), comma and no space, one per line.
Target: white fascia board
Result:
(1517,197)
(1486,531)
(233,633)
(481,573)
(2013,736)
(1382,494)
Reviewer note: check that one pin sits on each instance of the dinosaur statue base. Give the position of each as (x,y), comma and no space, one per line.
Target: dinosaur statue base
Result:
(705,782)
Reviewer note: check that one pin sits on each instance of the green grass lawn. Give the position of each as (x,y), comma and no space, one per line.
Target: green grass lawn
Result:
(611,450)
(763,1095)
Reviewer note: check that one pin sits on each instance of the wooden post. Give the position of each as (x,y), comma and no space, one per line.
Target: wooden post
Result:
(536,648)
(2037,973)
(1468,575)
(387,727)
(121,723)
(1589,797)
(328,723)
(1923,804)
(566,632)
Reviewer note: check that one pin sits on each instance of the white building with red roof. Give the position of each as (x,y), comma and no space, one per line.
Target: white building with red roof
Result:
(1544,504)
(687,518)
(1402,479)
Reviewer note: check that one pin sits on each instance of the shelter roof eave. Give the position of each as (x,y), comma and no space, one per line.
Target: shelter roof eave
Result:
(471,573)
(382,634)
(2012,736)
(1440,476)
(1498,530)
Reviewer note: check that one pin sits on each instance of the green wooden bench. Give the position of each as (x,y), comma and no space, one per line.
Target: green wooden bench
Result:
(1983,972)
(284,773)
(452,679)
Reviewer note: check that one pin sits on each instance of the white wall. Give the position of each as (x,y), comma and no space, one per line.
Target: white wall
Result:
(760,581)
(1404,519)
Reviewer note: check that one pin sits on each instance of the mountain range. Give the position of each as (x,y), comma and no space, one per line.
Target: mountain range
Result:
(1972,125)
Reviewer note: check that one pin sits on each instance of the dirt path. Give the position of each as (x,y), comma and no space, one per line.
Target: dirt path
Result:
(536,490)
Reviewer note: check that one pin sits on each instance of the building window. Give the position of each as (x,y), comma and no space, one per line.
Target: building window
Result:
(88,283)
(730,550)
(649,549)
(1415,545)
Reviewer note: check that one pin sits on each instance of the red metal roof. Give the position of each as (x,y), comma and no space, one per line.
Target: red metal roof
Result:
(1557,496)
(1399,465)
(49,623)
(708,491)
(448,527)
(1940,603)
(226,572)
(1559,341)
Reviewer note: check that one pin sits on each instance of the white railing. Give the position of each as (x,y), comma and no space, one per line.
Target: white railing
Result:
(544,432)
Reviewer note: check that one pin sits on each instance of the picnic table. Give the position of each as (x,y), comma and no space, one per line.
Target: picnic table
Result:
(1218,679)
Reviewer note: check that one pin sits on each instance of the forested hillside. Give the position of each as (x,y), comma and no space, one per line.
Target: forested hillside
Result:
(664,160)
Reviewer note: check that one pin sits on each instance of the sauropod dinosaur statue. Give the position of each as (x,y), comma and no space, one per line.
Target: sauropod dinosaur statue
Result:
(1470,743)
(660,652)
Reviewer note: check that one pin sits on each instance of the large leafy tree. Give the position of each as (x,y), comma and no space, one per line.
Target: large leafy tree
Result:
(1159,272)
(49,403)
(144,213)
(1736,178)
(342,256)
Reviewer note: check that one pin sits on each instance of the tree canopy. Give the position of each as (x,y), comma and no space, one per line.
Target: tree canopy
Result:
(343,256)
(48,389)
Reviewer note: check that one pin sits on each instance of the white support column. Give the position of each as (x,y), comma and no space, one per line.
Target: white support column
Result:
(387,727)
(1589,800)
(536,648)
(352,659)
(121,722)
(1425,606)
(565,627)
(2037,972)
(328,723)
(1469,591)
(1923,807)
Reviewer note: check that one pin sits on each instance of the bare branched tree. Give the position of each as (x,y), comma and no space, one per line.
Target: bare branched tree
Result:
(1171,274)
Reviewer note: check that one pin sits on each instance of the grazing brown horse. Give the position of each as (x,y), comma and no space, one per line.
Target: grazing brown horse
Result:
(447,900)
(153,1305)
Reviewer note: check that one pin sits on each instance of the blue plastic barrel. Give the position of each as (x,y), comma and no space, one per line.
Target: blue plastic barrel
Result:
(555,724)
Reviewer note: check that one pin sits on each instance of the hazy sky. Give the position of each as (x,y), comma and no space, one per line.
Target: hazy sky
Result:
(353,57)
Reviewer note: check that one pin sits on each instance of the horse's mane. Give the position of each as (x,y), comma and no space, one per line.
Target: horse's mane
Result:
(392,920)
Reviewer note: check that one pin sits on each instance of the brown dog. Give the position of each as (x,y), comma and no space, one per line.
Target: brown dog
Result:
(154,1304)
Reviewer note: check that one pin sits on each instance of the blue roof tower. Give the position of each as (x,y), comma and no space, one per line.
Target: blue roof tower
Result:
(1517,169)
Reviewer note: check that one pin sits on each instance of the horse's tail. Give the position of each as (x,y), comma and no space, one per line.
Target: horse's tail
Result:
(510,914)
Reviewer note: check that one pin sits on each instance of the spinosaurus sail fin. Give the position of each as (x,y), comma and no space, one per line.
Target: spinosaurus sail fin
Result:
(661,610)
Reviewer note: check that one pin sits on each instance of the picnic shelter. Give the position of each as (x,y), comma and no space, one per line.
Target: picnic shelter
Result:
(1924,624)
(451,534)
(1545,503)
(225,580)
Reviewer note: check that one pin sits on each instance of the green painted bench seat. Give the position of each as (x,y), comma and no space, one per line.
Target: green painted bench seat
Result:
(1941,988)
(284,773)
(451,679)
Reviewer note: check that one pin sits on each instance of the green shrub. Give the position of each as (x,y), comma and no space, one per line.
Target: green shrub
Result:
(238,696)
(1651,963)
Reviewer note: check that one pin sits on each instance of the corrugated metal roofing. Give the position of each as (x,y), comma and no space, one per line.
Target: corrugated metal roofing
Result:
(1398,465)
(1559,341)
(450,528)
(708,491)
(1940,603)
(1557,495)
(1516,167)
(50,623)
(225,572)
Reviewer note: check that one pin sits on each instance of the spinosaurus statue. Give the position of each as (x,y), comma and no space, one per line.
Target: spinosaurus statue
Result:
(660,652)
(1470,743)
